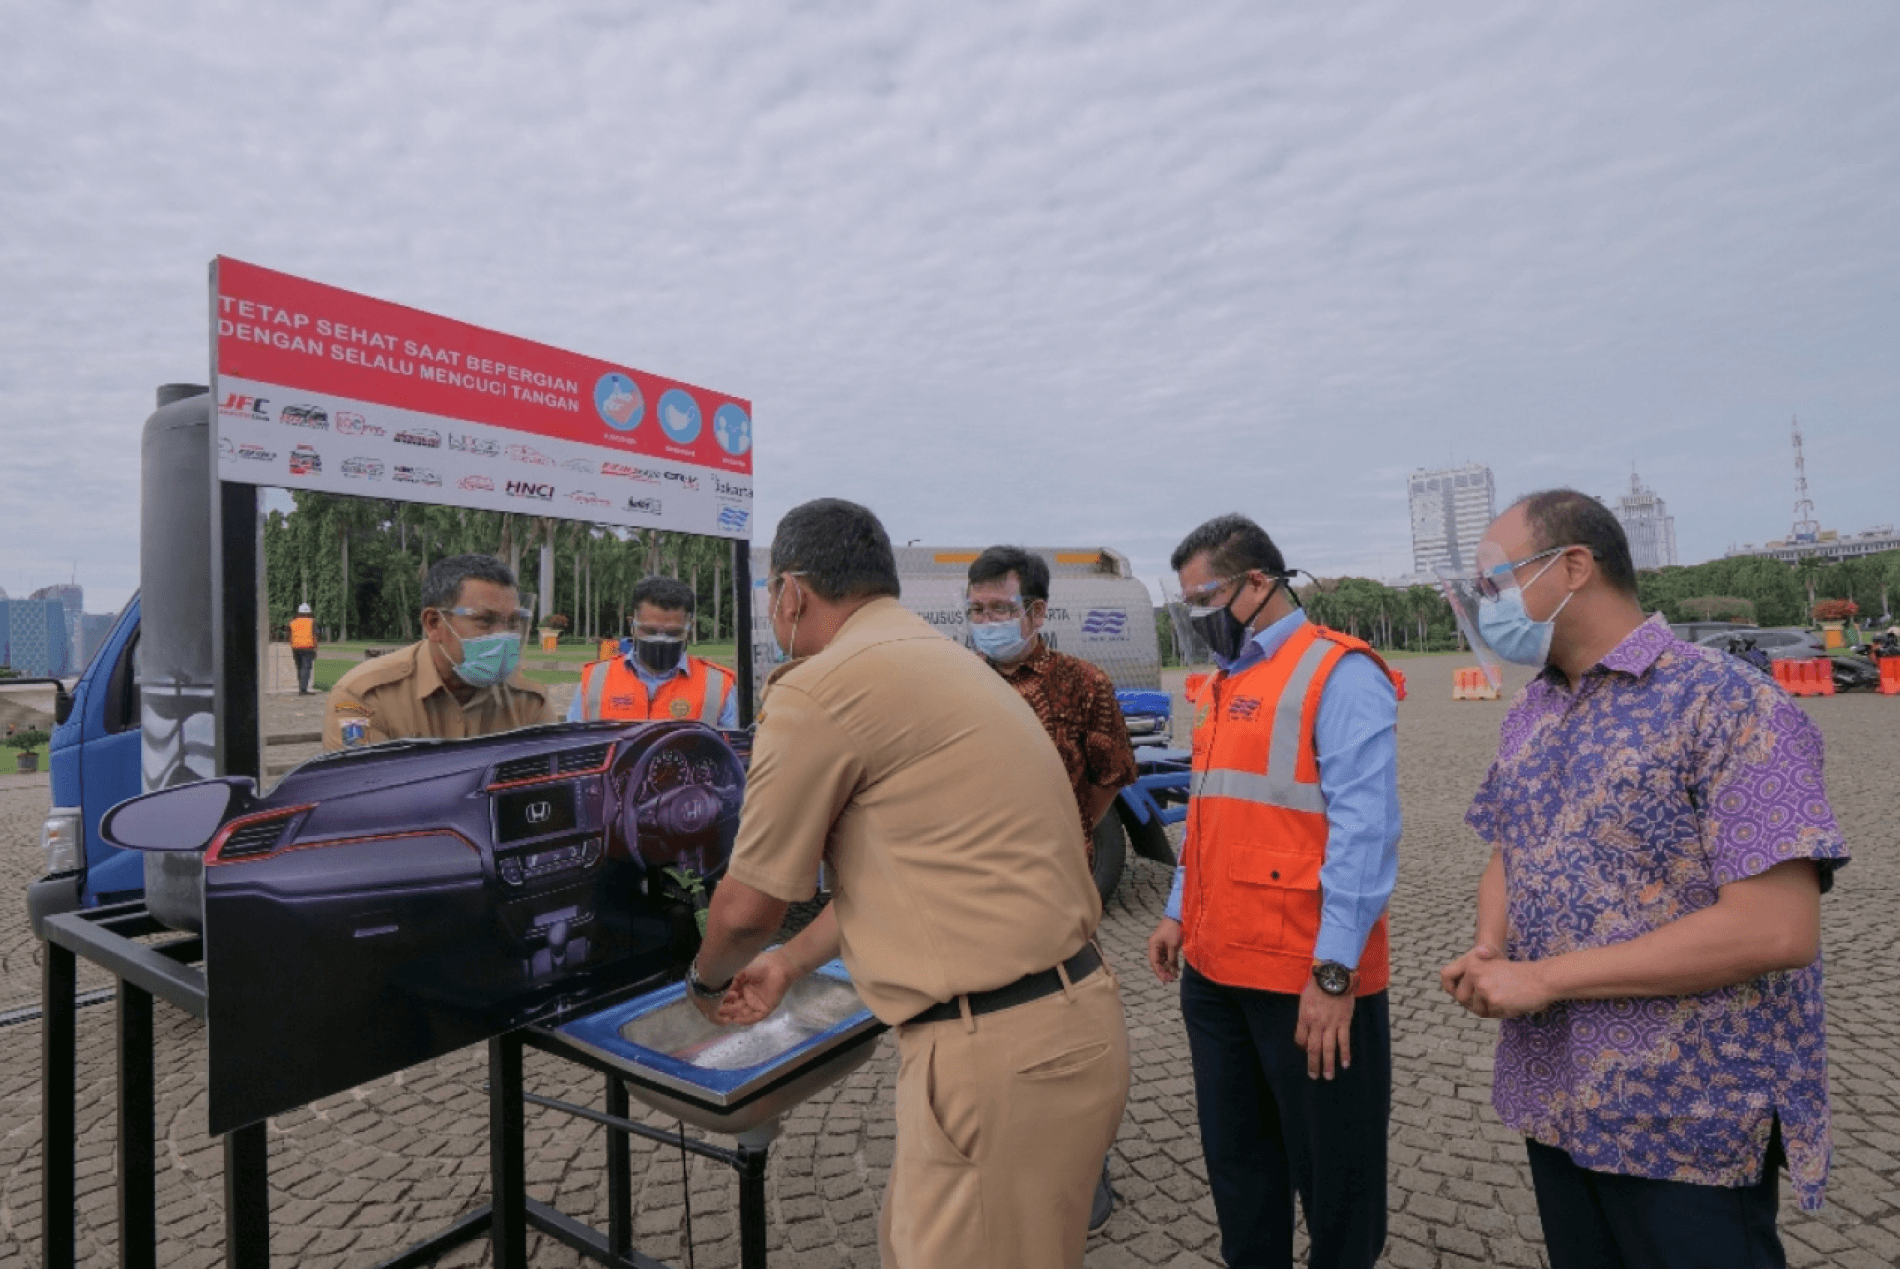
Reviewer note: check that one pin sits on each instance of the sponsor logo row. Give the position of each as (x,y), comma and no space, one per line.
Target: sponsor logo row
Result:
(350,423)
(305,460)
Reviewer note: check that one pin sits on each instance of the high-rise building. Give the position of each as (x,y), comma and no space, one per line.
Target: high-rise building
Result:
(1450,511)
(1647,524)
(33,637)
(73,601)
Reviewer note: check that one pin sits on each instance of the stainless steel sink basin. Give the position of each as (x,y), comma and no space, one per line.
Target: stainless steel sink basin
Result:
(812,1006)
(732,1079)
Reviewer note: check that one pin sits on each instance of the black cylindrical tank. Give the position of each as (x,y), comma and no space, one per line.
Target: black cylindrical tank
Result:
(177,669)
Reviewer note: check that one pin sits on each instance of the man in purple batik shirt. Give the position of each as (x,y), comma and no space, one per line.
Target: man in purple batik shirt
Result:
(1649,923)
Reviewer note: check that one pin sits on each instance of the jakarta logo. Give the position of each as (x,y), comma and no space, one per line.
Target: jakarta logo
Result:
(619,401)
(679,417)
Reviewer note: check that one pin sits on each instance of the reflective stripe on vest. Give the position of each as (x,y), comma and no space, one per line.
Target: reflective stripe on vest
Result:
(1280,786)
(715,697)
(593,689)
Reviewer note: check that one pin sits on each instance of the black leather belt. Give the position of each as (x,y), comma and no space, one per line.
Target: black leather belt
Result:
(1025,989)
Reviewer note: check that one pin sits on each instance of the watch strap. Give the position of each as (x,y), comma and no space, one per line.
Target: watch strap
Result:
(700,987)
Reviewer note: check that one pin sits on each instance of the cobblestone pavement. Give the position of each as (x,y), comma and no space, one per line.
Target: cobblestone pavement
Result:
(359,1175)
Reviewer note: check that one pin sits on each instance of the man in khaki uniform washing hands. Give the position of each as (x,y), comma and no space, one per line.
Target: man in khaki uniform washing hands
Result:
(962,905)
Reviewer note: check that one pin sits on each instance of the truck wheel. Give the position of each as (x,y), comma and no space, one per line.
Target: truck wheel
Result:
(1111,849)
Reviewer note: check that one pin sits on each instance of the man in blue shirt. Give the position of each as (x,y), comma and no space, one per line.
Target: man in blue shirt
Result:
(1289,859)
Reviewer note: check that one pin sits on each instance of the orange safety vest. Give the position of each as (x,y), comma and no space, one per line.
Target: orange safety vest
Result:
(303,632)
(1250,907)
(611,689)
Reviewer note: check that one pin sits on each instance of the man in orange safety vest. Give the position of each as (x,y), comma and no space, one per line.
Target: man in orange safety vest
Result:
(1277,925)
(655,677)
(303,646)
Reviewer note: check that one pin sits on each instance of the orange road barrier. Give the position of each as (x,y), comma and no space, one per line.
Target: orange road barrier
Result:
(609,649)
(1890,676)
(1470,684)
(1808,676)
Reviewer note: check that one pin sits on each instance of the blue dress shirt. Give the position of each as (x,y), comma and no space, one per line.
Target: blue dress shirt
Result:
(1357,737)
(728,714)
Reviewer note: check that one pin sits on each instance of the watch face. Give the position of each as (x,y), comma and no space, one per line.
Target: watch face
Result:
(1333,979)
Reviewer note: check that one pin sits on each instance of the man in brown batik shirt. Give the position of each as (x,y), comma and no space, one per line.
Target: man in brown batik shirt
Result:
(1074,701)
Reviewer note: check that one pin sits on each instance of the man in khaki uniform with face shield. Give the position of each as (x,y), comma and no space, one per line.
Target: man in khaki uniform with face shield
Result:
(962,905)
(462,678)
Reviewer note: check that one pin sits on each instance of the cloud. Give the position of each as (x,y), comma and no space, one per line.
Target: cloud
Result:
(1053,272)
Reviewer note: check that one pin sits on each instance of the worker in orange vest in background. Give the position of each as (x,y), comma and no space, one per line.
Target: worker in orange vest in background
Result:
(303,646)
(655,677)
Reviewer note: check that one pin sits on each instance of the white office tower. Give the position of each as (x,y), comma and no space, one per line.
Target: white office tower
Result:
(1648,525)
(1450,511)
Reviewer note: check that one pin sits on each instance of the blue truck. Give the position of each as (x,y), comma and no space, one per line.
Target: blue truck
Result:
(94,764)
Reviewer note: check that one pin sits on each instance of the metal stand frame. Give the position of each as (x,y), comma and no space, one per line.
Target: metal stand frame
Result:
(169,971)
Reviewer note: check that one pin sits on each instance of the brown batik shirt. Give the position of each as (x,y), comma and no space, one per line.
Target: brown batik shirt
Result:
(1076,705)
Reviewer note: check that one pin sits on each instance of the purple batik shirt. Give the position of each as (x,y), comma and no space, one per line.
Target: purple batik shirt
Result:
(1671,771)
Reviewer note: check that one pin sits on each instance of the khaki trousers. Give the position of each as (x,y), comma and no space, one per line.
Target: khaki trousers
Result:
(1002,1124)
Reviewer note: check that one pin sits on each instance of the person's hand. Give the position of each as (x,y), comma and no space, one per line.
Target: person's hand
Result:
(1164,950)
(1497,988)
(1324,1031)
(1453,974)
(756,990)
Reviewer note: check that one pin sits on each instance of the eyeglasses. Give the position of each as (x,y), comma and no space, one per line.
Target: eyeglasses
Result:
(1487,580)
(777,584)
(489,621)
(996,610)
(1204,596)
(643,631)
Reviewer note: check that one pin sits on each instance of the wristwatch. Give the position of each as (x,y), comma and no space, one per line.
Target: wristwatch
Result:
(1333,978)
(700,987)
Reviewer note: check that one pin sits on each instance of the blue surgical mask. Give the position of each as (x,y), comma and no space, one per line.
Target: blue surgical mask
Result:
(489,659)
(1000,640)
(1506,625)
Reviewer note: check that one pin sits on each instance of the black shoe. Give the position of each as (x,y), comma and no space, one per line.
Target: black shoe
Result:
(1104,1201)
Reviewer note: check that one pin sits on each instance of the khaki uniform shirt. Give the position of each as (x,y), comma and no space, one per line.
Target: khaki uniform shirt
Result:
(401,695)
(945,813)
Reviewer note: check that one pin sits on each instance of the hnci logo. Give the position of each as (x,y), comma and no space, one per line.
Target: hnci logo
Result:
(529,489)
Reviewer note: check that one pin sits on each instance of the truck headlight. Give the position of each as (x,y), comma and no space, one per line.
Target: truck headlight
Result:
(62,837)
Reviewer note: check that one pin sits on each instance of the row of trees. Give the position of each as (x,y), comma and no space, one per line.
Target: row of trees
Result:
(1768,592)
(359,564)
(1750,589)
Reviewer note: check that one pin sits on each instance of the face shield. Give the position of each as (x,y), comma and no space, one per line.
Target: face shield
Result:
(487,641)
(1192,650)
(1489,606)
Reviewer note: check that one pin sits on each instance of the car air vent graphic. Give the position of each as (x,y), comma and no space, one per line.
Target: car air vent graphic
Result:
(591,758)
(523,769)
(259,838)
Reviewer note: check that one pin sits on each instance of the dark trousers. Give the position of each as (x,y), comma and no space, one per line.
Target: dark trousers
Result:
(306,659)
(1598,1220)
(1268,1132)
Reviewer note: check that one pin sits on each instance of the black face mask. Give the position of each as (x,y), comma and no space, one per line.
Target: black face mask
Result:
(659,655)
(1224,633)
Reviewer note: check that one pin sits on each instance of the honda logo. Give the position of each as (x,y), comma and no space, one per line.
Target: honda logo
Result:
(538,812)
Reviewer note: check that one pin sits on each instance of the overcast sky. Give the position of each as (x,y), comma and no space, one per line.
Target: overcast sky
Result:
(1055,272)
